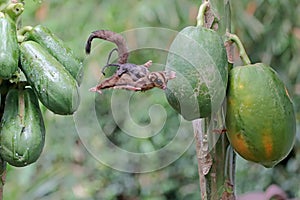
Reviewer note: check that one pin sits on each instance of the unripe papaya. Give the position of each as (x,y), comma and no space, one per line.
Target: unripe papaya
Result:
(57,48)
(199,58)
(55,87)
(260,119)
(22,134)
(9,49)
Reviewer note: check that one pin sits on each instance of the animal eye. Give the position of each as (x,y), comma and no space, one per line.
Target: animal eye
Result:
(158,81)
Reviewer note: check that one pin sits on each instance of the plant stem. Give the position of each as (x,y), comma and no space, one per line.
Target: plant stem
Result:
(201,12)
(216,159)
(24,30)
(240,46)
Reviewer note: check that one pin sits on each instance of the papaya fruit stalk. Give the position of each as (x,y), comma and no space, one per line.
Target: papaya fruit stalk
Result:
(242,52)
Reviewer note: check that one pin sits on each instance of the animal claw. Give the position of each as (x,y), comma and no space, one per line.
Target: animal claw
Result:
(148,64)
(94,89)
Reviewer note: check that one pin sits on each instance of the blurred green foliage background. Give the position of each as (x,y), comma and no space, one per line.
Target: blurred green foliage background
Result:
(270,30)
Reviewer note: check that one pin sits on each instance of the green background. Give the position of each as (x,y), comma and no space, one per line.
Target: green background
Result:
(270,30)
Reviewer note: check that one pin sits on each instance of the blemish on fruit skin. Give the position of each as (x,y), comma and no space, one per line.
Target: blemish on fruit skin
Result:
(268,145)
(241,146)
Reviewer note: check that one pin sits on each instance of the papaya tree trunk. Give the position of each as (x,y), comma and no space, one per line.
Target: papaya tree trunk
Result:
(216,158)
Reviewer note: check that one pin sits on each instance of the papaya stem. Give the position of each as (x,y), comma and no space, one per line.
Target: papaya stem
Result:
(20,38)
(21,33)
(24,30)
(201,13)
(234,38)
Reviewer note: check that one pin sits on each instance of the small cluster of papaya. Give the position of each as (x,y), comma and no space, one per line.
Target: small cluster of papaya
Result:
(260,119)
(35,65)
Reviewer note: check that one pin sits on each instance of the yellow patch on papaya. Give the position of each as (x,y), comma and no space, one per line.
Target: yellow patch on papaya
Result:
(268,144)
(241,86)
(238,141)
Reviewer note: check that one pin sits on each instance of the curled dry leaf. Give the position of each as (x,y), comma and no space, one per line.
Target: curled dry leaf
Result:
(128,76)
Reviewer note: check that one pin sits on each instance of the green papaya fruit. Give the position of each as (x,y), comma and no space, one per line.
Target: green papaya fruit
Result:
(9,49)
(260,119)
(57,48)
(199,58)
(55,87)
(22,132)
